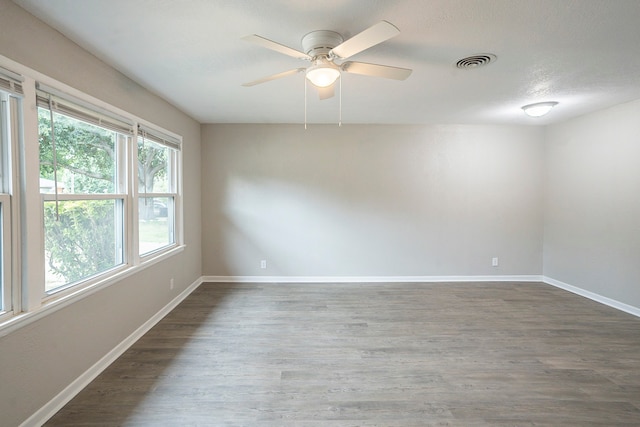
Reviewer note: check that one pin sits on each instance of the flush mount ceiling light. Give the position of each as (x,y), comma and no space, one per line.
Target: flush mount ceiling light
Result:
(538,109)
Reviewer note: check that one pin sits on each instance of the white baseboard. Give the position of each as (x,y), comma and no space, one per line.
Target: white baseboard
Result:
(593,296)
(368,279)
(39,417)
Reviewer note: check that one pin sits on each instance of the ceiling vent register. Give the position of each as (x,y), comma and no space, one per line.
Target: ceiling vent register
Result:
(476,61)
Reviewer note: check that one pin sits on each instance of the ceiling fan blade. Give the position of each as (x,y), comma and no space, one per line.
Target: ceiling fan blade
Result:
(373,35)
(270,44)
(327,92)
(274,77)
(376,70)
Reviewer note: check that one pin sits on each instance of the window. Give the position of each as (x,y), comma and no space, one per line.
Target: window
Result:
(5,206)
(5,254)
(157,188)
(83,172)
(10,120)
(88,195)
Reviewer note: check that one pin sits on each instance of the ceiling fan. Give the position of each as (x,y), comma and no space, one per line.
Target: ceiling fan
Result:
(326,51)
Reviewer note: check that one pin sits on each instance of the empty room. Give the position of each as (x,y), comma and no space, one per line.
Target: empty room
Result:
(338,213)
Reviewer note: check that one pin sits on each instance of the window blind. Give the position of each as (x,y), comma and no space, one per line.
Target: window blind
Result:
(11,81)
(68,105)
(159,137)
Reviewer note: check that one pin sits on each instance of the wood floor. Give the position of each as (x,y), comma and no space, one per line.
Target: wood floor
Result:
(474,354)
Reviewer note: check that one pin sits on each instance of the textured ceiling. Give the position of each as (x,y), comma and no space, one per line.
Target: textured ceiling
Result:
(581,53)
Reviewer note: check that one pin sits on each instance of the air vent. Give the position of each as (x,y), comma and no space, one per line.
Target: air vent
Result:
(476,61)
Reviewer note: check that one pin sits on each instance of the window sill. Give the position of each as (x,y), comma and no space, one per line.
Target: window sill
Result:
(54,303)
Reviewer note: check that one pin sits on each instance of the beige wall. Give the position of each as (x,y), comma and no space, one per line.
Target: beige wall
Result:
(592,206)
(365,200)
(353,201)
(39,360)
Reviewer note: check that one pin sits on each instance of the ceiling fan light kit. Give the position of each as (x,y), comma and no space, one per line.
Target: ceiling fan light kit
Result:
(323,73)
(323,48)
(322,76)
(538,109)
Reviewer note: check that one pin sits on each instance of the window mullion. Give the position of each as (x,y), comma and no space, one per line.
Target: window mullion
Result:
(32,218)
(133,197)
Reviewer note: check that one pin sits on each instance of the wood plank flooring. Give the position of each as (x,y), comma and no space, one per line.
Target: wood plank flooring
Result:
(463,354)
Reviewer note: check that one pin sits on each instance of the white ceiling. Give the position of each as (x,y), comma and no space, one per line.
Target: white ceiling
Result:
(582,53)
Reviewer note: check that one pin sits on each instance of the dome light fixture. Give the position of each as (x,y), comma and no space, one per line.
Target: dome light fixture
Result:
(323,73)
(538,109)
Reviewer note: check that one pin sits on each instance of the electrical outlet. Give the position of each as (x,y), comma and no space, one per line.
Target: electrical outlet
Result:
(263,263)
(494,261)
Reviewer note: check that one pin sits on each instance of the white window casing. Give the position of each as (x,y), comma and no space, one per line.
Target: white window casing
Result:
(21,203)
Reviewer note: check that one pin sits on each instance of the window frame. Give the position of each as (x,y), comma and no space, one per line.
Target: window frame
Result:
(81,112)
(6,307)
(6,300)
(25,205)
(10,140)
(174,171)
(118,199)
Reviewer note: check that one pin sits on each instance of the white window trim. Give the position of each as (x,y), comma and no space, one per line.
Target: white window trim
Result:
(30,300)
(157,251)
(52,294)
(73,295)
(7,284)
(178,227)
(11,140)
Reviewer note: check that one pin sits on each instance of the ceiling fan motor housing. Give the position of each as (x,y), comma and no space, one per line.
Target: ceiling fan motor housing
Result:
(320,42)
